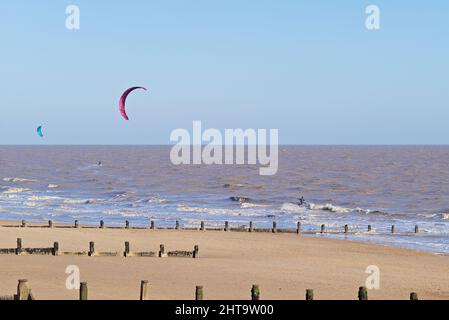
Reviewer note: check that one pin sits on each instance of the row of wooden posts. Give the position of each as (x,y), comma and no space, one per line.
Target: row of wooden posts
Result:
(226,227)
(19,250)
(24,292)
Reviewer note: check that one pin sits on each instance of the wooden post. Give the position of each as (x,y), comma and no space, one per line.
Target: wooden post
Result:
(177,225)
(199,293)
(23,292)
(56,248)
(369,228)
(91,249)
(101,224)
(162,251)
(323,227)
(392,229)
(251,226)
(298,227)
(50,224)
(416,229)
(309,294)
(144,292)
(346,228)
(363,293)
(19,246)
(202,226)
(83,291)
(196,252)
(76,224)
(24,223)
(413,296)
(255,292)
(126,224)
(226,228)
(126,253)
(152,225)
(274,229)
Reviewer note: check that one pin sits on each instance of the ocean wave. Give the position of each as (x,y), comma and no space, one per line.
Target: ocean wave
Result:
(233,185)
(215,211)
(43,198)
(52,186)
(79,201)
(15,190)
(157,200)
(18,180)
(253,205)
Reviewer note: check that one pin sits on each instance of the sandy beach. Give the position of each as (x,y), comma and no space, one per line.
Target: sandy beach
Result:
(283,265)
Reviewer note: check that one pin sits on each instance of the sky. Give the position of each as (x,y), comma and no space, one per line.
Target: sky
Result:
(308,68)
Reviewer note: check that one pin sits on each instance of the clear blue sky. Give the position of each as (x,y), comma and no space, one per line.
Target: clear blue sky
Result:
(309,68)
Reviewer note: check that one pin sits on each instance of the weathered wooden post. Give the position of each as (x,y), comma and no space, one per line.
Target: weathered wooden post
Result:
(23,292)
(251,227)
(19,246)
(226,228)
(309,294)
(50,224)
(76,224)
(162,253)
(369,228)
(255,292)
(83,291)
(346,228)
(101,224)
(24,223)
(323,227)
(202,226)
(196,252)
(144,292)
(152,225)
(56,248)
(91,249)
(413,296)
(127,250)
(298,227)
(126,224)
(416,229)
(177,225)
(392,229)
(199,293)
(274,229)
(363,293)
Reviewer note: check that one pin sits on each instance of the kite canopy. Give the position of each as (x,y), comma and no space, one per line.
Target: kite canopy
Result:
(39,131)
(122,102)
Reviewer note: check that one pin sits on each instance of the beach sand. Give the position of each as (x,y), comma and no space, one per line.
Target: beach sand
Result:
(283,265)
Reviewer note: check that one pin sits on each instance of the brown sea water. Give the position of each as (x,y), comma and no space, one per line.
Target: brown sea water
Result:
(354,185)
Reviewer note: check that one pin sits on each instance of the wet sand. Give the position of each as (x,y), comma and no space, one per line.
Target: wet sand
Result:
(283,265)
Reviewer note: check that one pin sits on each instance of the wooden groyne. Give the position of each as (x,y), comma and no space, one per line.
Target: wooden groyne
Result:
(24,292)
(299,228)
(91,252)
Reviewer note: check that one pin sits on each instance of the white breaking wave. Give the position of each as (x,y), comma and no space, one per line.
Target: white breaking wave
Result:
(253,205)
(157,200)
(43,198)
(16,190)
(316,207)
(184,208)
(18,180)
(52,186)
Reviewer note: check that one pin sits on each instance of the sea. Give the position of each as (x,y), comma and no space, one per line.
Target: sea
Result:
(356,186)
